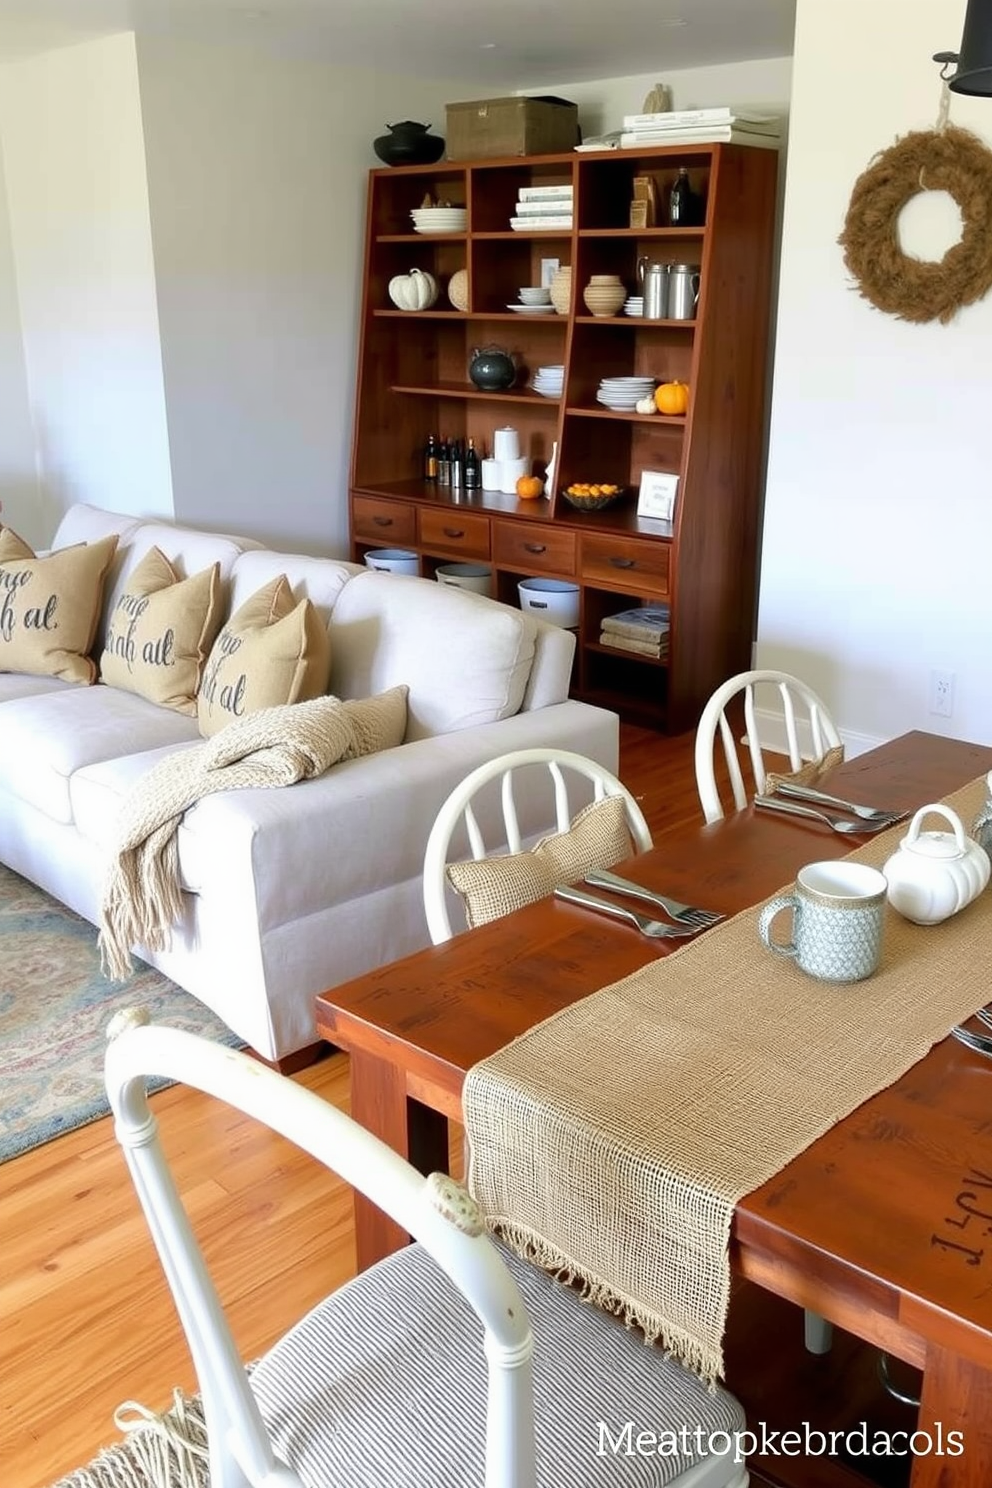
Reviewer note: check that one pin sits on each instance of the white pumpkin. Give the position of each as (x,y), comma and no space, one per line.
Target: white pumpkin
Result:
(646,405)
(414,291)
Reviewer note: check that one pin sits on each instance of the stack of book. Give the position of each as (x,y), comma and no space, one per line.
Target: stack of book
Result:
(701,126)
(542,207)
(643,630)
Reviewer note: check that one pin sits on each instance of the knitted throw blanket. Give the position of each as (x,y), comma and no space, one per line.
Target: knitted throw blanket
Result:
(142,898)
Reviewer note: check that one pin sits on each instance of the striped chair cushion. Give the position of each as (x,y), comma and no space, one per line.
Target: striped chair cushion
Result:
(384,1384)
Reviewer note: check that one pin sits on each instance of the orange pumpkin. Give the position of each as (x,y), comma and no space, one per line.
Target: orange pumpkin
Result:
(672,397)
(529,486)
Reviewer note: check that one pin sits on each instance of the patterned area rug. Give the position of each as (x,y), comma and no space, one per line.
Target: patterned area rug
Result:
(55,1004)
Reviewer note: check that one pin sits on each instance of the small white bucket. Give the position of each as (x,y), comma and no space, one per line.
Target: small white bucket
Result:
(555,600)
(473,576)
(393,560)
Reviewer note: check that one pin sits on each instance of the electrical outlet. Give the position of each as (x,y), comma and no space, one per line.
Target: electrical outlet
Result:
(942,694)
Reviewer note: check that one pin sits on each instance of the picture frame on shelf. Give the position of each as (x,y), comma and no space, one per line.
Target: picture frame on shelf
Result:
(656,497)
(549,268)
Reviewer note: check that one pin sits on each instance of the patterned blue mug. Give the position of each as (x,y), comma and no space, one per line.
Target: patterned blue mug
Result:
(838,910)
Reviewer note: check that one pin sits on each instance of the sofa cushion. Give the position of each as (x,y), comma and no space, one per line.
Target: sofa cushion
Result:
(597,838)
(465,658)
(320,580)
(188,550)
(161,631)
(50,606)
(270,652)
(44,739)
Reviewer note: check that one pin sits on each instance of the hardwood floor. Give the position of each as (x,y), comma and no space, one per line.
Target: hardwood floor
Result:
(88,1323)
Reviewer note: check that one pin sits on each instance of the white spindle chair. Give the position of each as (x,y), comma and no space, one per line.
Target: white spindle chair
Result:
(423,1370)
(509,769)
(809,733)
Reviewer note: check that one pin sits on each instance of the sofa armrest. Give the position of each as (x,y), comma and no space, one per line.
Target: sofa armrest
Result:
(363,825)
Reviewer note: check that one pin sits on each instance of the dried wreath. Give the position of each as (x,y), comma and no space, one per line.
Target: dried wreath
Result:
(943,159)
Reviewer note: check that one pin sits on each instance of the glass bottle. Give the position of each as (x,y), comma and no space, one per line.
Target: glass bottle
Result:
(430,459)
(444,462)
(473,470)
(684,205)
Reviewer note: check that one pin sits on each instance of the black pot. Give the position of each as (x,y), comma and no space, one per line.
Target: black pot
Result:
(492,369)
(408,144)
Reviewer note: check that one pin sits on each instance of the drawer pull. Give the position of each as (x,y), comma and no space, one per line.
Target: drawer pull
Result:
(454,532)
(383,521)
(535,547)
(624,562)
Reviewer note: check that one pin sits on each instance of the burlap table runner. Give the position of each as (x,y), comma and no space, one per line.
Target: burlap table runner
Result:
(612,1142)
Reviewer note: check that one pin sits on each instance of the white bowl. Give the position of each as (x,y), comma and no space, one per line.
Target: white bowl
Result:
(555,600)
(534,295)
(393,560)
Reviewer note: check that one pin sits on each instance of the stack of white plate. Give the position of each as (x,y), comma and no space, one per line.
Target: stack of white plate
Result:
(439,219)
(634,305)
(548,381)
(622,393)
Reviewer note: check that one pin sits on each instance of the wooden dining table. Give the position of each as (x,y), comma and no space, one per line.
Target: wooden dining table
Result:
(883,1225)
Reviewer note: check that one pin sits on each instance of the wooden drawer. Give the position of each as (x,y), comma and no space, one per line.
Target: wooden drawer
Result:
(626,563)
(390,522)
(529,548)
(453,531)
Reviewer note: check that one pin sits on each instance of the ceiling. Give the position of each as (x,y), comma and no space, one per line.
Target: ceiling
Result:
(512,43)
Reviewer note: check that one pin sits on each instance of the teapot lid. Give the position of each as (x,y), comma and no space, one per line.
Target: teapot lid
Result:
(936,845)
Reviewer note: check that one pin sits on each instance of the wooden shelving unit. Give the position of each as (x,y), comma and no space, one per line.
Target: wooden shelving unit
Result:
(413,379)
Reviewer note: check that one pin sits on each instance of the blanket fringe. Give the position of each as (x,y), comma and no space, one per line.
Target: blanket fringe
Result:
(159,1451)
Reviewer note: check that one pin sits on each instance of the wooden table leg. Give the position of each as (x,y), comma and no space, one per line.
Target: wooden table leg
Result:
(379,1102)
(956,1397)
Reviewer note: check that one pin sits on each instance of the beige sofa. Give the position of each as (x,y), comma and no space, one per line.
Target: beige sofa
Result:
(287,891)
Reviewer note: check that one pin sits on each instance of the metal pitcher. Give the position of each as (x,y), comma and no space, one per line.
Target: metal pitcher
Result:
(683,291)
(653,279)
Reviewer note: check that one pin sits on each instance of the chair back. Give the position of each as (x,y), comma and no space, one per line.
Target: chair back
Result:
(572,780)
(808,728)
(436,1211)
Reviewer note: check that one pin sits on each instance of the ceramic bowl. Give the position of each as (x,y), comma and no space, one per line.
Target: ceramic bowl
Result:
(534,295)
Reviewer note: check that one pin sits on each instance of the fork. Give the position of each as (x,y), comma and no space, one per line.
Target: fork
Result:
(866,813)
(976,1041)
(838,823)
(654,929)
(984,1016)
(684,914)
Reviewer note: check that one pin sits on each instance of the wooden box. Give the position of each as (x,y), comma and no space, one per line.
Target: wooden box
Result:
(491,127)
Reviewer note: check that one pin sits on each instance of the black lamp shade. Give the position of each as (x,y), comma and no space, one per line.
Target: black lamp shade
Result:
(974,74)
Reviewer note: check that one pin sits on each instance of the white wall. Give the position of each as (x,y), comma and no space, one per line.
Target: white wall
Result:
(257,169)
(71,128)
(19,504)
(602,104)
(878,515)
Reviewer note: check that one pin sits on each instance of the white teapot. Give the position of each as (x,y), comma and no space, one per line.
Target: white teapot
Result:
(934,874)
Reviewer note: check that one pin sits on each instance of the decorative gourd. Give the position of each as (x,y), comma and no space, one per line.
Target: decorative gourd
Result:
(646,405)
(934,874)
(672,397)
(414,291)
(529,486)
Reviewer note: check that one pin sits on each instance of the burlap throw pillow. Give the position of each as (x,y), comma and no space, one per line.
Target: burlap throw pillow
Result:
(161,631)
(50,607)
(808,773)
(597,838)
(271,652)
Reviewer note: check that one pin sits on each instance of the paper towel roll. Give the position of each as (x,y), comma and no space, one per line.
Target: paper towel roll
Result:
(512,470)
(506,444)
(492,475)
